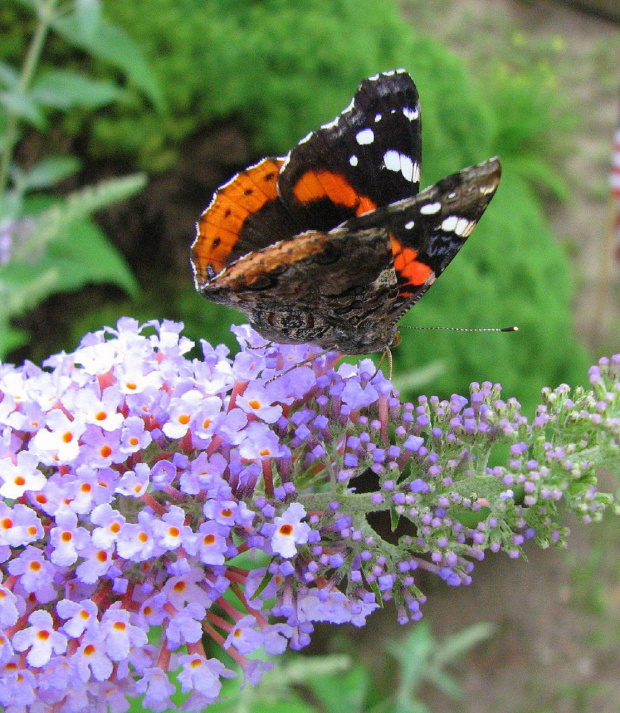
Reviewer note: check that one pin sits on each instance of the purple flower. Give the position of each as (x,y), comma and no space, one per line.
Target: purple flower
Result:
(40,639)
(256,400)
(289,531)
(91,660)
(202,675)
(20,476)
(137,483)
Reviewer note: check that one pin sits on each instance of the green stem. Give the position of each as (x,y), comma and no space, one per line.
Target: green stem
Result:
(45,14)
(356,503)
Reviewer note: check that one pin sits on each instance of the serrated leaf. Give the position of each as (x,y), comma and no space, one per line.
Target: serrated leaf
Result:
(81,255)
(112,44)
(84,255)
(63,89)
(24,107)
(79,204)
(49,171)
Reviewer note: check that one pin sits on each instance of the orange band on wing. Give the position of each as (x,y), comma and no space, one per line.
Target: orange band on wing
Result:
(316,185)
(411,271)
(220,225)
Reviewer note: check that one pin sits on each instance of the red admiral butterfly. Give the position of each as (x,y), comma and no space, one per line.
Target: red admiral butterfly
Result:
(333,244)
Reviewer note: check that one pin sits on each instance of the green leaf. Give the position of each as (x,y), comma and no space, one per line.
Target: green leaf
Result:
(28,4)
(539,173)
(8,76)
(63,89)
(23,286)
(10,338)
(88,14)
(49,171)
(457,645)
(394,519)
(407,706)
(24,107)
(413,655)
(78,205)
(110,43)
(11,205)
(80,256)
(84,255)
(418,379)
(341,693)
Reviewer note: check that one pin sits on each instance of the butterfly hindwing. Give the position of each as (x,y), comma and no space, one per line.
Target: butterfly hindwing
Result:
(427,231)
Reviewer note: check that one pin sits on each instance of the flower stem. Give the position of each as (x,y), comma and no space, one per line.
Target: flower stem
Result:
(45,13)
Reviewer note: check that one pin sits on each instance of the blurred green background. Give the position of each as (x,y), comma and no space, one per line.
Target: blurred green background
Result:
(177,95)
(197,90)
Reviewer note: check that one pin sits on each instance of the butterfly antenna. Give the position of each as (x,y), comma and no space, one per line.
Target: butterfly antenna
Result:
(463,329)
(266,345)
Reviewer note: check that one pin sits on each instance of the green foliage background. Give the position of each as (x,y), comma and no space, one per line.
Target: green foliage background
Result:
(280,69)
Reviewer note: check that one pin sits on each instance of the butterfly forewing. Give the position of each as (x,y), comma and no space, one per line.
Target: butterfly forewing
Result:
(367,157)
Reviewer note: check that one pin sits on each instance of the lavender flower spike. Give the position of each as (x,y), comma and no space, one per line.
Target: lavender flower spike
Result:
(133,476)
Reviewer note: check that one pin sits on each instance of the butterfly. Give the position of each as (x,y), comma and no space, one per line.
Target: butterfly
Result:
(333,243)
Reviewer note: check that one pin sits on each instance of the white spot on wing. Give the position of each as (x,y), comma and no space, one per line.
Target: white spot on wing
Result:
(464,227)
(430,208)
(449,224)
(353,160)
(377,118)
(411,114)
(391,160)
(406,167)
(409,225)
(307,137)
(415,172)
(365,136)
(395,161)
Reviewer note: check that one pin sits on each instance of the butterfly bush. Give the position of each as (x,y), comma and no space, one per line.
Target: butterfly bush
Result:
(158,509)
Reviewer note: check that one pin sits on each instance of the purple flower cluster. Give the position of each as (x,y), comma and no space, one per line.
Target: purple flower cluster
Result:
(153,502)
